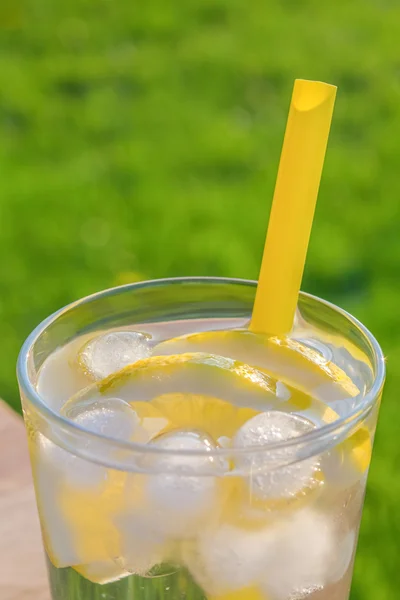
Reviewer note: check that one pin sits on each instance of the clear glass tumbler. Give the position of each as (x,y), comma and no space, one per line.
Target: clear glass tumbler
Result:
(106,539)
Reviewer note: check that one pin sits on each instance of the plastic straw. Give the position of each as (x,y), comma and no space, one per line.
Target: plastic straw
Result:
(293,207)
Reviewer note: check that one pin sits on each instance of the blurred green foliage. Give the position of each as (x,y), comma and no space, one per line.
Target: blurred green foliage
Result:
(144,137)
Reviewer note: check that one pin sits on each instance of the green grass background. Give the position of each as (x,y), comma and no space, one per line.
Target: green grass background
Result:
(141,140)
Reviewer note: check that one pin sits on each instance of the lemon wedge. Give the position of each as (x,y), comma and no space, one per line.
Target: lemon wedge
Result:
(286,359)
(90,515)
(357,447)
(195,373)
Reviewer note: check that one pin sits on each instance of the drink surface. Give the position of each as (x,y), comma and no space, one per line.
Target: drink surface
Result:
(219,507)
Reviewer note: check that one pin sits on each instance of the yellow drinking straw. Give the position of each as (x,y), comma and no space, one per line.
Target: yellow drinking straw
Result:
(293,207)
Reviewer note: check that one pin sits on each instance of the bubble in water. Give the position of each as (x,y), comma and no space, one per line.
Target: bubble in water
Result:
(305,593)
(302,556)
(268,479)
(110,352)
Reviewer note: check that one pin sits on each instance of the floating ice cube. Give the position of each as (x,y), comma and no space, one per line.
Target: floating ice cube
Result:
(59,377)
(302,556)
(172,503)
(110,417)
(184,494)
(228,559)
(286,559)
(110,352)
(268,480)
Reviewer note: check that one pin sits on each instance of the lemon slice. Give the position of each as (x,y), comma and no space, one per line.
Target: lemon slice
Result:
(196,373)
(359,447)
(286,359)
(217,417)
(90,513)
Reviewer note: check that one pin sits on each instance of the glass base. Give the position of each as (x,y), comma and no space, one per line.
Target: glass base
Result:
(68,584)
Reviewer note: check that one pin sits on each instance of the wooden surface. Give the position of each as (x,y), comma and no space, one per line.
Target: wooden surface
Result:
(22,568)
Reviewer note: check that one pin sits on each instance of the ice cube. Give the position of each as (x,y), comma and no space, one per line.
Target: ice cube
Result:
(60,378)
(228,559)
(268,479)
(111,417)
(173,502)
(302,558)
(143,545)
(184,494)
(110,352)
(105,571)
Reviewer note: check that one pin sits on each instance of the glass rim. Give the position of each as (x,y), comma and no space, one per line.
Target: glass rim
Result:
(319,434)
